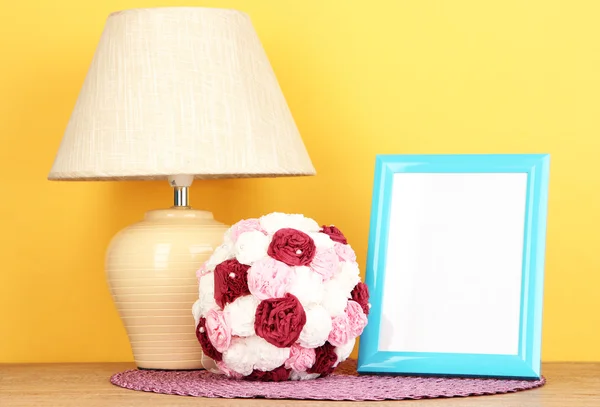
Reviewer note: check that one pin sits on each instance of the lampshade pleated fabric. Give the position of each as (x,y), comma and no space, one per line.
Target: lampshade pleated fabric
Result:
(180,90)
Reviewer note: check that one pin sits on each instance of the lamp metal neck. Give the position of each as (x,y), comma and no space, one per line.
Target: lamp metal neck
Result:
(180,197)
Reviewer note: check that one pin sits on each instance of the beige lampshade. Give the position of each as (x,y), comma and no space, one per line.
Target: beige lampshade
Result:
(180,90)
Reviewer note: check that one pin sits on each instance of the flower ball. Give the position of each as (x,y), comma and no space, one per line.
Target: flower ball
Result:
(280,299)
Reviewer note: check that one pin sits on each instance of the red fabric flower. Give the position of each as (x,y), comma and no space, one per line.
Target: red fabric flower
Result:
(231,282)
(334,234)
(279,321)
(207,347)
(292,247)
(324,361)
(276,375)
(360,294)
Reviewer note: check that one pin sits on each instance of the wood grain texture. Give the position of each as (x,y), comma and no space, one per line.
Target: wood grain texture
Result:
(569,384)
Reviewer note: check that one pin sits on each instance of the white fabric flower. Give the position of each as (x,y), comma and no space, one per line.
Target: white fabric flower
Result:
(246,354)
(266,356)
(347,277)
(334,299)
(322,240)
(317,327)
(275,221)
(344,351)
(326,263)
(251,246)
(307,286)
(303,375)
(221,253)
(241,314)
(227,240)
(206,300)
(239,357)
(196,310)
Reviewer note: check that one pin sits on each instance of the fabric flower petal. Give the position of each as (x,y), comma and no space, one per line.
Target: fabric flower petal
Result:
(307,286)
(218,329)
(243,226)
(347,277)
(300,358)
(239,357)
(356,318)
(303,375)
(322,241)
(245,355)
(340,331)
(292,247)
(196,308)
(207,346)
(325,263)
(250,247)
(325,358)
(360,294)
(231,282)
(266,356)
(317,328)
(206,300)
(276,375)
(343,352)
(345,252)
(220,254)
(280,320)
(334,299)
(232,374)
(334,233)
(202,271)
(241,314)
(269,278)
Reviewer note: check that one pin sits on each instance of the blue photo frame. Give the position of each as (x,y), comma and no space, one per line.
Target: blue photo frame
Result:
(526,362)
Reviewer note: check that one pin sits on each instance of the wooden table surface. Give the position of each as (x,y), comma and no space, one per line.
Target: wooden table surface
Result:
(87,384)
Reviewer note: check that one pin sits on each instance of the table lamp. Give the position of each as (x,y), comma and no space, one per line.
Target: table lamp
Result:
(177,94)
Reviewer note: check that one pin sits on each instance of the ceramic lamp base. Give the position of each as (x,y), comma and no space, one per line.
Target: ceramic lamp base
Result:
(151,271)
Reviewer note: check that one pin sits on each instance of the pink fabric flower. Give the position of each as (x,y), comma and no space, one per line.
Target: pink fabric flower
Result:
(232,374)
(356,318)
(344,252)
(207,347)
(269,278)
(218,329)
(301,359)
(340,332)
(325,263)
(243,226)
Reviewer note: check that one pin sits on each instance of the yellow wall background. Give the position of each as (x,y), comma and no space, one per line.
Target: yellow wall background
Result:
(361,78)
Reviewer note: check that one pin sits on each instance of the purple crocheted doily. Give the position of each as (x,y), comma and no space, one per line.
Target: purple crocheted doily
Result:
(343,384)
